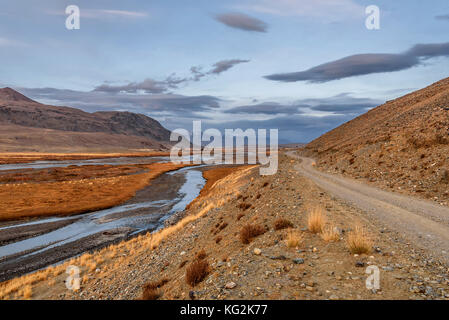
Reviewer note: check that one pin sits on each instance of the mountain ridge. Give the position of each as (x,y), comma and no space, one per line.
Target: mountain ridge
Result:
(19,111)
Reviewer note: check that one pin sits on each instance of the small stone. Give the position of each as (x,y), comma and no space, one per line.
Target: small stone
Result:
(314,250)
(298,261)
(359,264)
(333,297)
(309,288)
(257,251)
(230,285)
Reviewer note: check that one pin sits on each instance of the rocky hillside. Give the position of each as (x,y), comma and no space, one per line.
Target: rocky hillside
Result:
(134,130)
(402,145)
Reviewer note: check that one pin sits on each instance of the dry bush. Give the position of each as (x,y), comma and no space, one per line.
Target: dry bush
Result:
(151,289)
(258,196)
(294,239)
(445,176)
(282,223)
(224,225)
(330,233)
(244,206)
(358,241)
(250,231)
(316,220)
(183,263)
(201,255)
(196,272)
(239,216)
(218,239)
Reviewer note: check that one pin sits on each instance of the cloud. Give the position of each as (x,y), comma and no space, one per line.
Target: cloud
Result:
(224,65)
(151,86)
(363,64)
(242,21)
(92,101)
(442,17)
(343,108)
(292,128)
(5,42)
(301,121)
(268,108)
(147,86)
(340,104)
(429,50)
(325,10)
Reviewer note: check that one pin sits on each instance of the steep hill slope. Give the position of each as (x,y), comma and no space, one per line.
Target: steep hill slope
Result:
(402,145)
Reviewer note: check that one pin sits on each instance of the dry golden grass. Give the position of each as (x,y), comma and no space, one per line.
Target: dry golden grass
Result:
(358,241)
(74,197)
(151,290)
(197,271)
(201,254)
(330,233)
(27,292)
(23,157)
(225,191)
(250,231)
(294,239)
(316,220)
(212,176)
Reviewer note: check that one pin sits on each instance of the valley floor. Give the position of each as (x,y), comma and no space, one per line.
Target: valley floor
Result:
(264,268)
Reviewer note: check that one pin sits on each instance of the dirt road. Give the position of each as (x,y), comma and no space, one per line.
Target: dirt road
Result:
(423,223)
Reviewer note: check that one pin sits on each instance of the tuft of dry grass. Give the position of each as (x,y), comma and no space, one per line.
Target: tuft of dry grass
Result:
(250,231)
(282,223)
(316,220)
(151,289)
(294,239)
(196,272)
(244,206)
(201,255)
(27,292)
(330,233)
(358,241)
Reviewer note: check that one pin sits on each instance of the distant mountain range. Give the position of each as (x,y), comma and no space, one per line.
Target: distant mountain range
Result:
(27,125)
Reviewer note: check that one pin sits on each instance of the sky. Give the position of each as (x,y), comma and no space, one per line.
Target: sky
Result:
(300,66)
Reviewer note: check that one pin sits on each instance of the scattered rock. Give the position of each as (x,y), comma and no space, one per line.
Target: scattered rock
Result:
(298,261)
(230,285)
(257,251)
